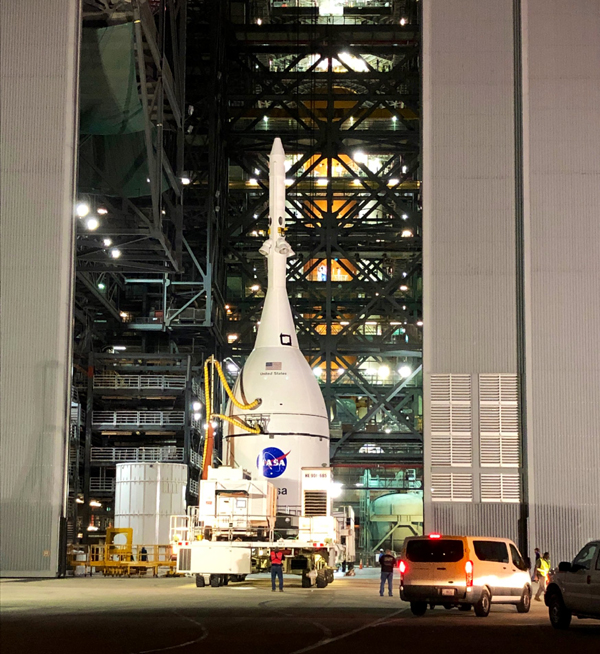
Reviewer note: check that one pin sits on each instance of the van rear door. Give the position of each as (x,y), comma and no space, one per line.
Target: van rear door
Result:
(437,563)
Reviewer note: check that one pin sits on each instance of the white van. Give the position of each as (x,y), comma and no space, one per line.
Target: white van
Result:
(463,571)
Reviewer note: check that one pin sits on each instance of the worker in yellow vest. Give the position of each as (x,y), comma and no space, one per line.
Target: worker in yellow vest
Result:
(542,568)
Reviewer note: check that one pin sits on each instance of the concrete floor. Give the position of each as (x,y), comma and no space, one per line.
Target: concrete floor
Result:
(140,616)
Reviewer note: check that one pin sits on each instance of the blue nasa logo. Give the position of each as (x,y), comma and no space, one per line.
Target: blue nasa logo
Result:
(272,461)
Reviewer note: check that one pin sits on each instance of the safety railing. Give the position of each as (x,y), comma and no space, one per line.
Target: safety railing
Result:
(142,454)
(195,459)
(140,382)
(193,486)
(102,484)
(139,418)
(188,316)
(372,378)
(197,388)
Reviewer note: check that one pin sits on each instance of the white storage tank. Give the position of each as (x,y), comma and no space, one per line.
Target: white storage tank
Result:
(388,510)
(147,494)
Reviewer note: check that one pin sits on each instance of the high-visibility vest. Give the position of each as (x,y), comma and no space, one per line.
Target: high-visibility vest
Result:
(544,567)
(276,558)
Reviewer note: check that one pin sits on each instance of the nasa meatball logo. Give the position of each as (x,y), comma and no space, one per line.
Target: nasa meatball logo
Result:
(272,461)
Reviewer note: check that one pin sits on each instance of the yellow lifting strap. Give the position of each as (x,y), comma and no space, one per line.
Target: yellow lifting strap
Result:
(211,362)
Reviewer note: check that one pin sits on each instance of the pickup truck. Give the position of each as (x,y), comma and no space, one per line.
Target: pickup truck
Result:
(574,589)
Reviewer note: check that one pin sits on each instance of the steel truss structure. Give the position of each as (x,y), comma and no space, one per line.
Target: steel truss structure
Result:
(141,285)
(137,270)
(344,96)
(137,409)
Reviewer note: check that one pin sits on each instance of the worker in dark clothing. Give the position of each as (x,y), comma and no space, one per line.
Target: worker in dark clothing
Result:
(277,569)
(537,555)
(387,563)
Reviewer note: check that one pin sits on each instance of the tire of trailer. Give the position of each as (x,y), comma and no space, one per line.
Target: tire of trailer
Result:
(200,582)
(306,581)
(329,575)
(215,581)
(321,579)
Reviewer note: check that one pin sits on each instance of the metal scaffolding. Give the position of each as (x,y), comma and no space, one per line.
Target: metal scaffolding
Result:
(344,96)
(142,266)
(140,408)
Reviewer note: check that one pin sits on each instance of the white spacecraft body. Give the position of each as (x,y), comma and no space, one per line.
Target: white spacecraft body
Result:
(292,411)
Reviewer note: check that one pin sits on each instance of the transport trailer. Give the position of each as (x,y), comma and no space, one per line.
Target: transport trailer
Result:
(234,528)
(216,563)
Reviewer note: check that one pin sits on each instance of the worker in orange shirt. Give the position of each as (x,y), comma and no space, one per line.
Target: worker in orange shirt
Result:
(277,568)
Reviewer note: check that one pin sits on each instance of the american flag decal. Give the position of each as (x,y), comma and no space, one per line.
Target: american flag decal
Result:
(273,365)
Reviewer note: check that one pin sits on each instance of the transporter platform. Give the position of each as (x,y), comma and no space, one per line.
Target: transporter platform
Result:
(233,530)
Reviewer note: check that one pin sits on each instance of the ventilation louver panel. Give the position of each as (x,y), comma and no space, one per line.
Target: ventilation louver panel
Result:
(498,388)
(315,503)
(499,421)
(451,421)
(500,488)
(185,559)
(451,487)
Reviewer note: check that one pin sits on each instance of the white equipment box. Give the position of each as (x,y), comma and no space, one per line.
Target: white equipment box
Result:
(208,557)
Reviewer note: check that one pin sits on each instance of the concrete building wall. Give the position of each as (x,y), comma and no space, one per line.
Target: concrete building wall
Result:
(512,268)
(561,154)
(469,235)
(39,45)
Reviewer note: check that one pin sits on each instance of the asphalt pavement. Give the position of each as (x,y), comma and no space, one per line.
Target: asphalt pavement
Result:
(148,615)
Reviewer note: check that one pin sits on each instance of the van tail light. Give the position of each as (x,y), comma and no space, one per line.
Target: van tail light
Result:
(469,573)
(402,568)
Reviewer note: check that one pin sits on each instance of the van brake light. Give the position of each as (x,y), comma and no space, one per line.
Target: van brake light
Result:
(435,536)
(469,573)
(402,568)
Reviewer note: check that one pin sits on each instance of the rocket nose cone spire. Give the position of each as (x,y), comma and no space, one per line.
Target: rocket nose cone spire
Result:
(277,147)
(277,202)
(276,327)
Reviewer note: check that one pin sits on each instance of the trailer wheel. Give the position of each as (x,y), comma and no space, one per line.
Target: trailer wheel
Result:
(224,580)
(305,581)
(200,583)
(329,575)
(321,579)
(215,581)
